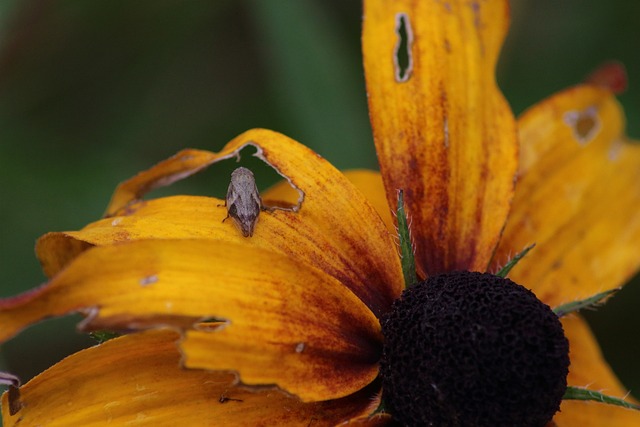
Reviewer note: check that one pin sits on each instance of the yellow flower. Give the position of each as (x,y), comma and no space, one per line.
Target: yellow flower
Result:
(284,328)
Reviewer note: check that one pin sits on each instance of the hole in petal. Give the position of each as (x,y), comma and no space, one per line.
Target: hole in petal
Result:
(225,399)
(214,181)
(402,59)
(584,124)
(149,280)
(283,204)
(211,324)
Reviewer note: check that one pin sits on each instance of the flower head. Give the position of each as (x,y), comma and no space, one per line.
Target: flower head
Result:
(306,321)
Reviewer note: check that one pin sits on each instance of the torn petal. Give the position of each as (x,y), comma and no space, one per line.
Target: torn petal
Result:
(9,379)
(271,303)
(136,379)
(577,198)
(444,133)
(182,165)
(336,229)
(367,181)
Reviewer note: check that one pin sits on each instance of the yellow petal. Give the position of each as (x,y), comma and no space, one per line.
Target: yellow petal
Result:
(444,134)
(577,198)
(289,324)
(589,369)
(336,229)
(136,380)
(593,414)
(180,166)
(367,181)
(371,185)
(175,217)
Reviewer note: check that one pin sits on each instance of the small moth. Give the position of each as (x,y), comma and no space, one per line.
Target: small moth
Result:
(243,201)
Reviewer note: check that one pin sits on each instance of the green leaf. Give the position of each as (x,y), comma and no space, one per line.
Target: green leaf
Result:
(406,247)
(591,302)
(579,393)
(512,262)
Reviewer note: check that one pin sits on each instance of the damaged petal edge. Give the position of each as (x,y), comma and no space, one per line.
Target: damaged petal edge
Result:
(585,125)
(9,379)
(14,392)
(237,380)
(15,404)
(260,154)
(211,324)
(125,322)
(183,156)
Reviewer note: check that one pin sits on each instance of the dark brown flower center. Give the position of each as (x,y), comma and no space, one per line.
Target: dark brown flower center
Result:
(472,349)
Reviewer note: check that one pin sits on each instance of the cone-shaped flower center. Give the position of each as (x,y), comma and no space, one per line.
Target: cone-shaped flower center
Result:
(472,349)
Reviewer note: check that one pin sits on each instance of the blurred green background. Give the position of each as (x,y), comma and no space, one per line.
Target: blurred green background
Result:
(93,92)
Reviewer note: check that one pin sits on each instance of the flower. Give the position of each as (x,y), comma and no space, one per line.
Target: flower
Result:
(296,307)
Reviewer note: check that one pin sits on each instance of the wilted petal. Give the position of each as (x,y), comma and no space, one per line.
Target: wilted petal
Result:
(136,380)
(289,324)
(443,131)
(589,369)
(335,229)
(577,198)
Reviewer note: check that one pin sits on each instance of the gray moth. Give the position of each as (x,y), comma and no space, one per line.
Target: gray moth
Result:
(243,200)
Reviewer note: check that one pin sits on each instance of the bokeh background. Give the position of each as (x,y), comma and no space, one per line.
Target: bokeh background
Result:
(92,92)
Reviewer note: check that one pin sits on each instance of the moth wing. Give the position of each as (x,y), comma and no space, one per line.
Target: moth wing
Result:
(232,194)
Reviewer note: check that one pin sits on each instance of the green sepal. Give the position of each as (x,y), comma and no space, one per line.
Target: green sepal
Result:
(579,393)
(591,302)
(103,336)
(379,410)
(406,247)
(513,261)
